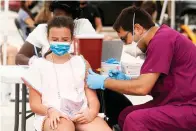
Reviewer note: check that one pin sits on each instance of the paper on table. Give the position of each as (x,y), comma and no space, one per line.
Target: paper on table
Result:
(12,70)
(131,68)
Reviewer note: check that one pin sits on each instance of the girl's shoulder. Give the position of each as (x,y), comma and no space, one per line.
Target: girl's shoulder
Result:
(79,62)
(78,58)
(40,63)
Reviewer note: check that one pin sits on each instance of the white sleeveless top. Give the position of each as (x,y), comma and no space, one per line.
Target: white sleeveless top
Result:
(44,76)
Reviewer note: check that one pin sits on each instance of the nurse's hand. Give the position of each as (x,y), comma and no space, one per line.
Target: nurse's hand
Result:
(95,81)
(118,75)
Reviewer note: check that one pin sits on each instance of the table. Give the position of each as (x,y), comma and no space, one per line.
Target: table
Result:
(12,75)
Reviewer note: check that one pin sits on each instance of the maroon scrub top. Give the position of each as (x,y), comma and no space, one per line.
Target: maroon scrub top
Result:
(173,56)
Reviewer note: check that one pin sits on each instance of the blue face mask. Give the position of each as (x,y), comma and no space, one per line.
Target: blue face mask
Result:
(60,48)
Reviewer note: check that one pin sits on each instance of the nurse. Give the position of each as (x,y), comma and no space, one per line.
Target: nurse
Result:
(168,74)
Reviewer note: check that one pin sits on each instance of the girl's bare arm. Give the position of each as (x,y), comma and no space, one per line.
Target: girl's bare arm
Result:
(35,101)
(93,102)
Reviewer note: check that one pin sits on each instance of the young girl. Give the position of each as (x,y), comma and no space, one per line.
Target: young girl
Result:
(58,94)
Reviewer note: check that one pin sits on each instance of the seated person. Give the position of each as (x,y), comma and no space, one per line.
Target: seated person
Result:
(58,94)
(11,54)
(151,8)
(25,18)
(91,13)
(44,14)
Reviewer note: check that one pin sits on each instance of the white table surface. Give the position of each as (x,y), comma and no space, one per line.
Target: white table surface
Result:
(12,74)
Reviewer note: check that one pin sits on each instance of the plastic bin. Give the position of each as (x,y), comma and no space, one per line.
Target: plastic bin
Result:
(90,46)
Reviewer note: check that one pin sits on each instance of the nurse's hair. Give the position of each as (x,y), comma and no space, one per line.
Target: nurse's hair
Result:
(60,22)
(125,19)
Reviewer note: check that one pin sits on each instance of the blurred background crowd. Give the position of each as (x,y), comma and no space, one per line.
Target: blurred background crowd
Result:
(26,15)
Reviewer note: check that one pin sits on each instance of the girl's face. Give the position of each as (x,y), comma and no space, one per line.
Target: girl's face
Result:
(62,34)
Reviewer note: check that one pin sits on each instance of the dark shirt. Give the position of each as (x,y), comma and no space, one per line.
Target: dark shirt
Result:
(90,12)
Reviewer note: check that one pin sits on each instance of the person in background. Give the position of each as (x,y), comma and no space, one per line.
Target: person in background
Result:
(25,18)
(151,8)
(91,13)
(44,15)
(38,37)
(11,54)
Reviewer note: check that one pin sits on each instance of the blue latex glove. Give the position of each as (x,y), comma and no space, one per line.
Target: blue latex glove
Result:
(118,75)
(111,61)
(95,81)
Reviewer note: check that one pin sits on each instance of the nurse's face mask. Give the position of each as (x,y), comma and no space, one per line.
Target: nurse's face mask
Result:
(133,48)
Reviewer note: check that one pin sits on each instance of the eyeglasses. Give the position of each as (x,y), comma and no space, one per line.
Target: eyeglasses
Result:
(124,38)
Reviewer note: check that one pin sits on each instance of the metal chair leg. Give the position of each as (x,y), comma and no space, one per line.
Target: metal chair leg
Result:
(30,115)
(24,93)
(17,94)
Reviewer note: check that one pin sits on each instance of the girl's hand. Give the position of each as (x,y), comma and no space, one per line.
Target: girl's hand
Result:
(54,117)
(65,116)
(84,117)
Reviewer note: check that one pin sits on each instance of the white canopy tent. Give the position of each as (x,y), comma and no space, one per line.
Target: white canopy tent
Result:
(165,5)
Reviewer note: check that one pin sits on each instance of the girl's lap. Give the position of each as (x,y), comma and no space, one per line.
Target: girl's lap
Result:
(98,124)
(63,125)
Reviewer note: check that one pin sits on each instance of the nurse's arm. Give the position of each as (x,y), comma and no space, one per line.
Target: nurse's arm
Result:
(25,53)
(140,86)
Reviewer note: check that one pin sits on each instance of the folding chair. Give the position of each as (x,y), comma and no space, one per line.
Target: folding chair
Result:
(21,34)
(19,28)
